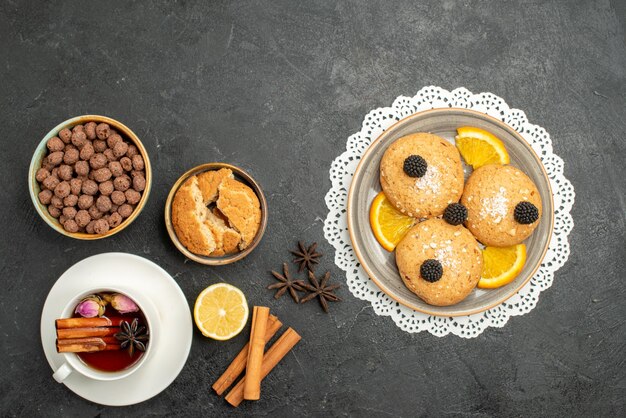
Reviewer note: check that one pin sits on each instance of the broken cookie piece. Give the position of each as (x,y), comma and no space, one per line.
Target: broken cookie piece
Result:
(241,207)
(188,214)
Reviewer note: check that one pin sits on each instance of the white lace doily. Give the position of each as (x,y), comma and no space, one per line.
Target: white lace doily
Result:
(336,226)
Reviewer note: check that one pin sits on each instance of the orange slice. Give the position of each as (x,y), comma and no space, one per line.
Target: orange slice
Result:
(501,265)
(221,311)
(388,224)
(479,147)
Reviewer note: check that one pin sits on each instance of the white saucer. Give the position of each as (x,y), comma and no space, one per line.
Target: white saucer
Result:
(124,270)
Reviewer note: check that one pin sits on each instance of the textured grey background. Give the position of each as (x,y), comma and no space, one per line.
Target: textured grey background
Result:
(277,87)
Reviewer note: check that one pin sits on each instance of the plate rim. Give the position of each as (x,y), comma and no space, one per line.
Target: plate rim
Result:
(352,193)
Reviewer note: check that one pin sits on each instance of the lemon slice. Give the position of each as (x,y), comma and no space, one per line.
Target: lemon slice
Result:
(501,265)
(388,224)
(221,311)
(479,147)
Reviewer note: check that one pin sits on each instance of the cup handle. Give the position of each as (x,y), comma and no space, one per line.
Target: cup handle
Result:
(62,373)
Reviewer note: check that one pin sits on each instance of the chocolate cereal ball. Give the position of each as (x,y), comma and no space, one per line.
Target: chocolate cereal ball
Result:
(90,187)
(102,174)
(126,163)
(46,195)
(132,150)
(70,200)
(118,198)
(70,225)
(87,152)
(103,203)
(78,128)
(62,190)
(65,172)
(121,183)
(54,211)
(85,201)
(120,148)
(113,139)
(79,139)
(51,182)
(65,135)
(109,154)
(57,202)
(138,163)
(55,172)
(98,161)
(139,183)
(82,168)
(125,210)
(90,131)
(132,196)
(114,208)
(75,186)
(69,212)
(71,156)
(46,164)
(115,219)
(41,174)
(55,144)
(82,218)
(103,130)
(55,158)
(89,227)
(101,226)
(116,168)
(99,145)
(106,187)
(95,213)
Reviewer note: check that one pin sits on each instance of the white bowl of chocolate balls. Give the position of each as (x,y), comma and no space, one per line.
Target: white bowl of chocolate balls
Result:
(90,177)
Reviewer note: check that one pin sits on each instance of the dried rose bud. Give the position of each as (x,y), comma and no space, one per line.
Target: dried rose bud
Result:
(90,307)
(123,304)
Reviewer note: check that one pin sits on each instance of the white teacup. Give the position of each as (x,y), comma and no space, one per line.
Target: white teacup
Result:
(74,364)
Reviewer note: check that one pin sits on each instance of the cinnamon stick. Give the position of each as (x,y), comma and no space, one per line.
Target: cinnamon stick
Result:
(238,365)
(86,345)
(90,322)
(271,358)
(90,340)
(64,333)
(85,348)
(252,385)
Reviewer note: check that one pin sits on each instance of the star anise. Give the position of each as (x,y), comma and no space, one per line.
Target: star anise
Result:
(286,282)
(321,289)
(306,257)
(132,336)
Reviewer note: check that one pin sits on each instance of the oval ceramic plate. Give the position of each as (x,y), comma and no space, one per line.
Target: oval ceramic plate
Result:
(120,270)
(380,265)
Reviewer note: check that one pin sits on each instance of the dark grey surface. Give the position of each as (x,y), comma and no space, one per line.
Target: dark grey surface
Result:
(277,87)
